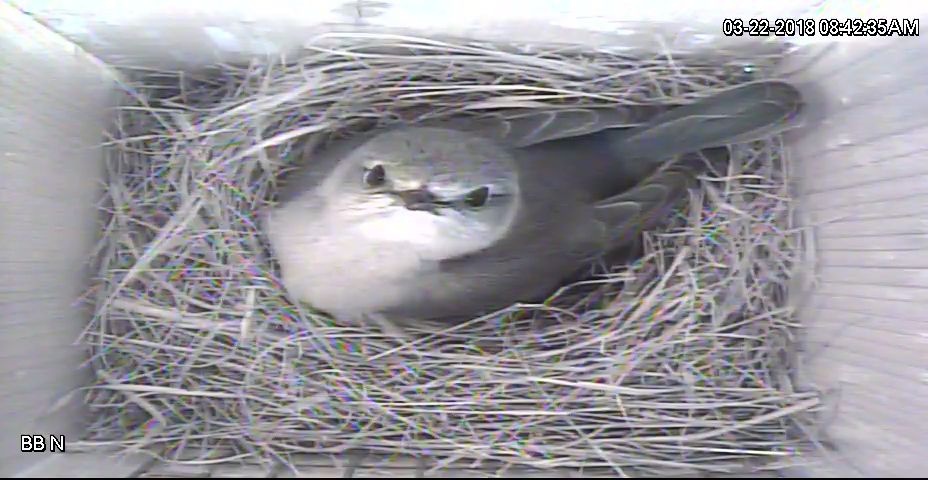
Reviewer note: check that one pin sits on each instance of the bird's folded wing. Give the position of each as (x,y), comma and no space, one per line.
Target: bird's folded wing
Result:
(627,215)
(739,114)
(523,128)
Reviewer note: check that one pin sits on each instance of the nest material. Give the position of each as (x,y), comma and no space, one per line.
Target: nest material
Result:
(677,361)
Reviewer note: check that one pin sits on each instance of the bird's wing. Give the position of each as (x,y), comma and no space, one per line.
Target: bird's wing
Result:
(608,161)
(739,114)
(524,128)
(742,113)
(643,207)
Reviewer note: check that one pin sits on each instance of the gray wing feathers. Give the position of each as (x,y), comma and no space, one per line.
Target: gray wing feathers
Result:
(530,127)
(743,113)
(627,215)
(739,114)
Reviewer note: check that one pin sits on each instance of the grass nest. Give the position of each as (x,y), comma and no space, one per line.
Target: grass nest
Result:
(678,361)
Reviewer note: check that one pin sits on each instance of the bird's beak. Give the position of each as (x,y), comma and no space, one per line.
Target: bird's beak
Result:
(418,199)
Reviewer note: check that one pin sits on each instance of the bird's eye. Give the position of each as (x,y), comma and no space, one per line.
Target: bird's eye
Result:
(477,197)
(375,176)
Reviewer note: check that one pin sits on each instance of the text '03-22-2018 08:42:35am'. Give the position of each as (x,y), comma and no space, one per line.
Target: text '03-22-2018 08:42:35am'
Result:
(825,27)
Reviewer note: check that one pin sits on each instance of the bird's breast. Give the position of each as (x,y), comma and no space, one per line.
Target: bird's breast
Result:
(401,225)
(344,268)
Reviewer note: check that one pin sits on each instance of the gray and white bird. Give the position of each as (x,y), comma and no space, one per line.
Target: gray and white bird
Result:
(465,217)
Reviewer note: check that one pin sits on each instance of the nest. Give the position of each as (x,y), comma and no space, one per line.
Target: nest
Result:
(677,361)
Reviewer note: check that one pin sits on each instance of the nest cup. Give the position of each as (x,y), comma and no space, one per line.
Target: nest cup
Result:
(679,361)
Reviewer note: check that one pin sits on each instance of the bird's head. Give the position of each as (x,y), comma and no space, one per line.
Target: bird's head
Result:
(445,192)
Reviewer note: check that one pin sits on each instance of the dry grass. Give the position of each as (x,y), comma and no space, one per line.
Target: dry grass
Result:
(678,362)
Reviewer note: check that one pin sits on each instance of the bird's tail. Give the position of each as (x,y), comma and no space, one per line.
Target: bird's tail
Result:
(740,114)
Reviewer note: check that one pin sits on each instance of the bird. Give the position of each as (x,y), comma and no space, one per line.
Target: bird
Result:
(462,217)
